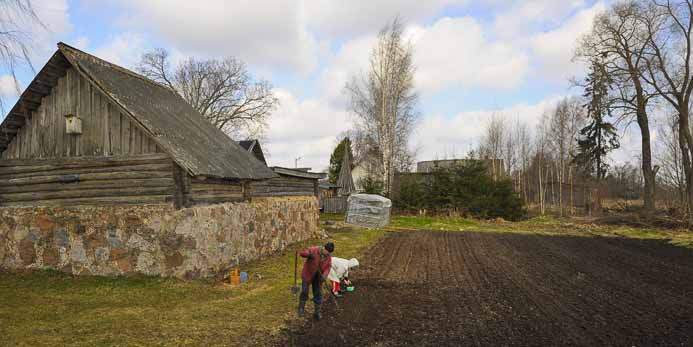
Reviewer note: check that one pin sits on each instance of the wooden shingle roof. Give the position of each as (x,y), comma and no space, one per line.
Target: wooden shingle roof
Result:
(189,138)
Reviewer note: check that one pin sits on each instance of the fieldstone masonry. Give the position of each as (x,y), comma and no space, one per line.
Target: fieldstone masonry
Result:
(155,239)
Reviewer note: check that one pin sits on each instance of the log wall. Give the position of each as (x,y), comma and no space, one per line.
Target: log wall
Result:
(214,191)
(144,179)
(283,186)
(105,130)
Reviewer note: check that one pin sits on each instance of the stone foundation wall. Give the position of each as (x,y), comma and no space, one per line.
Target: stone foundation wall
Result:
(155,239)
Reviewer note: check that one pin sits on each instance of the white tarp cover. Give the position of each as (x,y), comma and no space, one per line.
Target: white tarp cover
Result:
(369,211)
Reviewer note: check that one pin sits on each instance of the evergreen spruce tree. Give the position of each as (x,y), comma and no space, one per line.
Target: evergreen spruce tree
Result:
(336,160)
(599,137)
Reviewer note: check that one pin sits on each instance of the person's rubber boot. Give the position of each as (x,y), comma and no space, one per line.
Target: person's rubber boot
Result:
(301,308)
(317,314)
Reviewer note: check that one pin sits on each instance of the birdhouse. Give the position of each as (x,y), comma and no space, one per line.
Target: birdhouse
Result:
(73,124)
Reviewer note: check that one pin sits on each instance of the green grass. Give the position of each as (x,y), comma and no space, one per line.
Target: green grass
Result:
(543,225)
(48,308)
(431,223)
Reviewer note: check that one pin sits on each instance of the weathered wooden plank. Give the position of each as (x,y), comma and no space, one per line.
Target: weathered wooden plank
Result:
(85,193)
(85,177)
(53,170)
(265,194)
(114,129)
(209,195)
(105,124)
(125,134)
(181,187)
(213,187)
(215,200)
(150,182)
(112,200)
(114,160)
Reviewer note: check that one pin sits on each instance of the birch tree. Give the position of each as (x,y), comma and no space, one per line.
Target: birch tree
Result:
(385,101)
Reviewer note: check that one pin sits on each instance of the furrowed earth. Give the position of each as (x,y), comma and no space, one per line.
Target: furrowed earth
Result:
(439,288)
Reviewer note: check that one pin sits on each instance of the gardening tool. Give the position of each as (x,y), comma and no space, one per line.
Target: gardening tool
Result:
(329,290)
(294,289)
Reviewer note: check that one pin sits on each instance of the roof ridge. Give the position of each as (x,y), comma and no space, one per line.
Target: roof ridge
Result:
(64,46)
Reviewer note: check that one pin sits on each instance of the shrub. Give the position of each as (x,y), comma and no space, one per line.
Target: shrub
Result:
(467,188)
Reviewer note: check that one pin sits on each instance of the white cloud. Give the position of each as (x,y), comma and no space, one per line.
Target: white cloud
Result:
(304,128)
(553,50)
(7,87)
(54,14)
(519,17)
(260,32)
(124,49)
(451,52)
(357,17)
(455,51)
(439,136)
(350,61)
(81,42)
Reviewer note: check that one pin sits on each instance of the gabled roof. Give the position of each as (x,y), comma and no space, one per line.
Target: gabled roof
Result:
(191,140)
(253,146)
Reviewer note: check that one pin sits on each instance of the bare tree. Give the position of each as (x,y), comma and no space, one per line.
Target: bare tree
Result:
(672,173)
(620,38)
(493,144)
(17,17)
(669,28)
(524,141)
(221,90)
(385,101)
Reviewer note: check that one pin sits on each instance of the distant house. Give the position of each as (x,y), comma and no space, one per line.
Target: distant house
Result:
(105,172)
(365,167)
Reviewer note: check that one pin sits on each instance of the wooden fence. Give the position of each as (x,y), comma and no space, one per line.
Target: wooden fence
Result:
(334,205)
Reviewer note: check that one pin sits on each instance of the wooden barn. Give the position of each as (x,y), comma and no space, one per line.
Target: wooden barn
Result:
(105,172)
(86,131)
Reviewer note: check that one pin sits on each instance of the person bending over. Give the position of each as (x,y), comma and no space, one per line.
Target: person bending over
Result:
(340,273)
(315,270)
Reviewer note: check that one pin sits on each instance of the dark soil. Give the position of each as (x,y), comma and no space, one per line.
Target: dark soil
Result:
(487,289)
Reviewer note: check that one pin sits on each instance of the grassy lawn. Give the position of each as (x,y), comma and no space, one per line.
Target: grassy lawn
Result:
(53,309)
(542,225)
(50,308)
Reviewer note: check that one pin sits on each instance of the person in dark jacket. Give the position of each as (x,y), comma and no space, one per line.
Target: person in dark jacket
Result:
(315,270)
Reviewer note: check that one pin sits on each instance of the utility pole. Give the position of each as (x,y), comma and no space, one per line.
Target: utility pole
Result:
(296,162)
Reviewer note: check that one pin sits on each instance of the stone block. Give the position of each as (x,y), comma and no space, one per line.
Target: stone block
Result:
(27,251)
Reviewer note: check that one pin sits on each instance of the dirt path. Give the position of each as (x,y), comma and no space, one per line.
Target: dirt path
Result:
(485,289)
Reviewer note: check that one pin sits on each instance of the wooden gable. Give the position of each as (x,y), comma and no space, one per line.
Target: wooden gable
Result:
(105,130)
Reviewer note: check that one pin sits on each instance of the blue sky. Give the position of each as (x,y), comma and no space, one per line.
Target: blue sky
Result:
(473,58)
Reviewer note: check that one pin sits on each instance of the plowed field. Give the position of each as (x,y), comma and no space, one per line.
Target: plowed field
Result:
(493,289)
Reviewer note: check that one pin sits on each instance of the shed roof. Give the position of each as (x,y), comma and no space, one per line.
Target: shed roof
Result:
(253,146)
(298,173)
(189,138)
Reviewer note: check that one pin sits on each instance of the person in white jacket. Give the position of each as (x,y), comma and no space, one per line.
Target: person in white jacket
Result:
(340,272)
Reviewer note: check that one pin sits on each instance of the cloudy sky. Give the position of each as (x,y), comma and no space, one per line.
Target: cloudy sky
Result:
(473,58)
